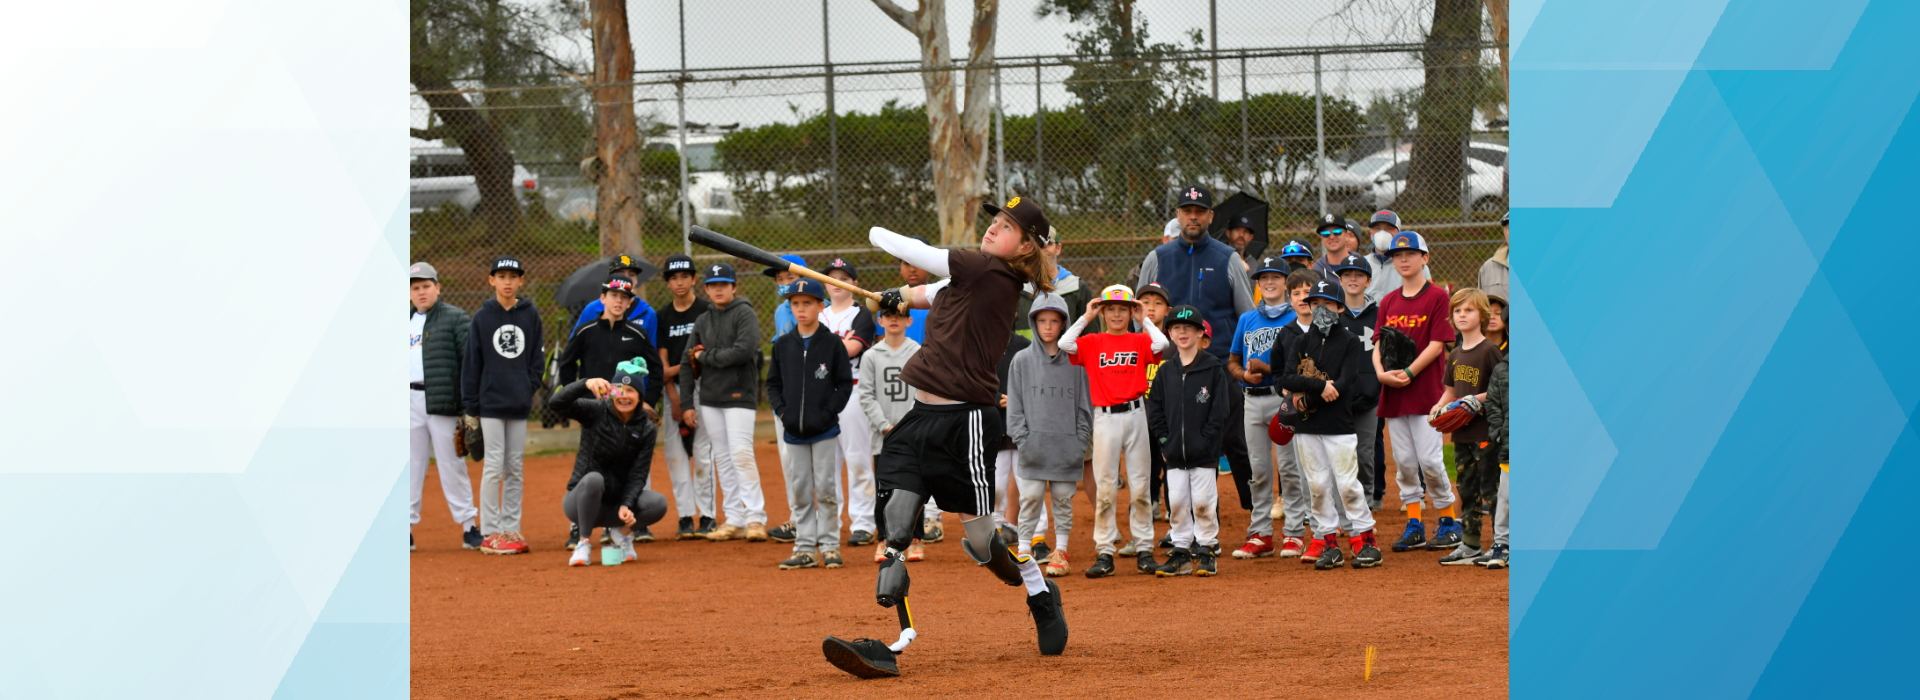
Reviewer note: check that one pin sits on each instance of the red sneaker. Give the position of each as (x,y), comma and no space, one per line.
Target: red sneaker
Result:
(1258,546)
(1314,549)
(504,543)
(1290,547)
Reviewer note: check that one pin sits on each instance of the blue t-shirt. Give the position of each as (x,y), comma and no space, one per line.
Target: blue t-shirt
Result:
(641,313)
(917,331)
(783,316)
(1255,337)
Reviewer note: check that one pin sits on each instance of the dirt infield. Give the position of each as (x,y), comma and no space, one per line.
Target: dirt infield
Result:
(717,619)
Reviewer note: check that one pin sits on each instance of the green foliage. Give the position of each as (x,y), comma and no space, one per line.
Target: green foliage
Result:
(493,43)
(781,170)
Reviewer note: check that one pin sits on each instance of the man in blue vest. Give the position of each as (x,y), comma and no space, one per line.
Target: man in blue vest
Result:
(1200,271)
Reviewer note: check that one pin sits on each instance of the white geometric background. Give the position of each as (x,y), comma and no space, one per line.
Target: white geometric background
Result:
(201,486)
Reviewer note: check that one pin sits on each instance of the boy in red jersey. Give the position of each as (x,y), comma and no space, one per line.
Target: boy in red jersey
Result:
(1116,362)
(1418,309)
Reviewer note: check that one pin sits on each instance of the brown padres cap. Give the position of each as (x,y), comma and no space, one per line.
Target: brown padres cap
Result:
(1026,213)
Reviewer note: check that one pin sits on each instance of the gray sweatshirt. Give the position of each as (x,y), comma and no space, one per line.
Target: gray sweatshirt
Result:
(884,396)
(1049,409)
(730,365)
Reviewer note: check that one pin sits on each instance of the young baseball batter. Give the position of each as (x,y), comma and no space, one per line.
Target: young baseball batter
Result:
(885,398)
(1467,370)
(1418,309)
(1049,416)
(1116,362)
(940,447)
(1188,410)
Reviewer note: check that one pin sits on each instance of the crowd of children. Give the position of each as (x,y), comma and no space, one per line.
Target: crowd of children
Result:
(1131,393)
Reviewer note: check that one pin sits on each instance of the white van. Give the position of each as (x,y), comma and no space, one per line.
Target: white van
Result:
(440,175)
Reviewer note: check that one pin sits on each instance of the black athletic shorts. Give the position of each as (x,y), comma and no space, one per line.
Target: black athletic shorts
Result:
(941,450)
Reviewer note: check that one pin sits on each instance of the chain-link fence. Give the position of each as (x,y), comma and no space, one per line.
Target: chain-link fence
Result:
(1102,143)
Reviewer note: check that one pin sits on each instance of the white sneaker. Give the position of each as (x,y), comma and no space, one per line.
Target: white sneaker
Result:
(582,552)
(1129,550)
(623,540)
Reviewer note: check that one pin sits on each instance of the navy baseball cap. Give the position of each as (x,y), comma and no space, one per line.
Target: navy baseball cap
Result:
(1385,217)
(795,259)
(1153,288)
(1407,240)
(806,286)
(1271,263)
(1195,195)
(1334,222)
(1296,249)
(719,272)
(842,265)
(1355,263)
(678,263)
(507,262)
(1327,290)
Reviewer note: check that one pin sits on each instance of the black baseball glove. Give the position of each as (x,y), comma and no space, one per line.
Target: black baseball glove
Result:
(1397,351)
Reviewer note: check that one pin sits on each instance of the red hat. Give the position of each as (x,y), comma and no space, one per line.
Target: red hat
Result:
(1279,433)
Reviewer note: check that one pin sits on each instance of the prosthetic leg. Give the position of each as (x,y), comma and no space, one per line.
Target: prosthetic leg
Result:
(898,514)
(985,546)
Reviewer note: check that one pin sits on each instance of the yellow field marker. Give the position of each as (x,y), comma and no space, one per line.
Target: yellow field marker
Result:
(1369,663)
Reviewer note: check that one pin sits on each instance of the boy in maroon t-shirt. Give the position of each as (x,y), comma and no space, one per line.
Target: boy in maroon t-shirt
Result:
(1116,362)
(1419,310)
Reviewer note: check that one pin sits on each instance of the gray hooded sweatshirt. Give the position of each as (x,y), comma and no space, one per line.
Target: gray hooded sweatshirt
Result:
(1049,409)
(730,366)
(884,396)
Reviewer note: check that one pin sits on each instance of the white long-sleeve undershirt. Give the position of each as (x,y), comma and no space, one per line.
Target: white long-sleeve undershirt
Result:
(1068,342)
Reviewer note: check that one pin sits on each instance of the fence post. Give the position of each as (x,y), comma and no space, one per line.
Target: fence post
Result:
(1039,153)
(1213,41)
(1246,159)
(1466,176)
(999,137)
(833,119)
(1319,138)
(680,99)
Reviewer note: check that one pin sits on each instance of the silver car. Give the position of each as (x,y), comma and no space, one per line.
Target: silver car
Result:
(440,175)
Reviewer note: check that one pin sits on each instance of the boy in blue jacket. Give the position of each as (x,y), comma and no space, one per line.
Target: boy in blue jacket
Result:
(809,383)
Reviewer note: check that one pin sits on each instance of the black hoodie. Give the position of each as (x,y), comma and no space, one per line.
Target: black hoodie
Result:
(809,382)
(1187,410)
(598,348)
(1340,356)
(503,361)
(1361,325)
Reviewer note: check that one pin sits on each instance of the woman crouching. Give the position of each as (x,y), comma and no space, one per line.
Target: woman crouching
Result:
(610,472)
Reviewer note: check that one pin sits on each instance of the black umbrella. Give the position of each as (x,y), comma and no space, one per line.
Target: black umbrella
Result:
(583,286)
(1246,210)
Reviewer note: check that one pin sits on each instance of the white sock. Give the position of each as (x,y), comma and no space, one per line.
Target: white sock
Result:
(1030,574)
(1060,540)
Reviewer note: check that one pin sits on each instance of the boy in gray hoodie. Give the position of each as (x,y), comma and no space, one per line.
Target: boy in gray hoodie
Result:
(723,354)
(1050,418)
(885,397)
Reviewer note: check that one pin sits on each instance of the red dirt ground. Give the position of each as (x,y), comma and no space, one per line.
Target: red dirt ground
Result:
(718,619)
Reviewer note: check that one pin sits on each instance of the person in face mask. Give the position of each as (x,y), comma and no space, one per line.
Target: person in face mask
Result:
(1384,224)
(1322,371)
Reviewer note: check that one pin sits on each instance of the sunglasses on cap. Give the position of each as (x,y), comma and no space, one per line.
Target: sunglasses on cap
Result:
(620,285)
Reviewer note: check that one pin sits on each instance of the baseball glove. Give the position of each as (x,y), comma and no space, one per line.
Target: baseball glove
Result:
(1279,432)
(468,434)
(1456,415)
(1397,351)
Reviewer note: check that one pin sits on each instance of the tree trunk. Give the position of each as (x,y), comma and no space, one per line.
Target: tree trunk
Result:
(615,132)
(957,140)
(1445,106)
(488,156)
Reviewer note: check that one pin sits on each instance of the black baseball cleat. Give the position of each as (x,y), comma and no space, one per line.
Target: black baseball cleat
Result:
(1366,557)
(1041,550)
(705,527)
(573,537)
(1447,535)
(1415,537)
(1330,559)
(1145,561)
(1049,620)
(860,538)
(1166,542)
(1102,567)
(1204,558)
(783,534)
(866,658)
(686,529)
(471,538)
(1179,563)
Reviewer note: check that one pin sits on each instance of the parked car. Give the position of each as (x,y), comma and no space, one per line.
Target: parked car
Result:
(1346,191)
(709,190)
(440,175)
(1385,175)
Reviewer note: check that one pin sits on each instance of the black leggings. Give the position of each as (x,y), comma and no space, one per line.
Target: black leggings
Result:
(586,505)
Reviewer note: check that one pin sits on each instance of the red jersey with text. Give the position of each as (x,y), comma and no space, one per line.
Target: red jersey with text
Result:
(1424,318)
(1116,365)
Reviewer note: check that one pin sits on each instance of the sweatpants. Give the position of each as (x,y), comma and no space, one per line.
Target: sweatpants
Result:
(1478,488)
(588,506)
(1366,432)
(432,436)
(1268,461)
(1416,454)
(1500,513)
(1003,462)
(856,452)
(1193,505)
(500,475)
(691,474)
(812,471)
(730,431)
(1333,474)
(1117,435)
(1034,495)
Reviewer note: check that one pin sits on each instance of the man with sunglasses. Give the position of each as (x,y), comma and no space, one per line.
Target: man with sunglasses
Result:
(1337,240)
(596,350)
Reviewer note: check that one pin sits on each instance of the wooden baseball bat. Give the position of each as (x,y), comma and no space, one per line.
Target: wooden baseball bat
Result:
(734,247)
